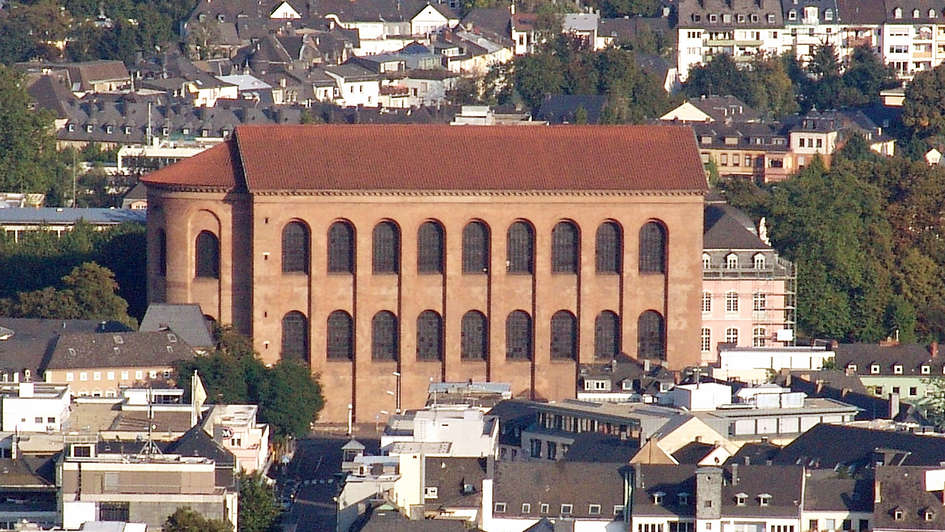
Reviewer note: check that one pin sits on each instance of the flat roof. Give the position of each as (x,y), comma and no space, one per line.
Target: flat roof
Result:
(69,216)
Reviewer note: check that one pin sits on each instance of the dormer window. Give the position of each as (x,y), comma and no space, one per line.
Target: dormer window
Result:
(897,514)
(204,132)
(71,127)
(741,499)
(770,18)
(925,369)
(88,128)
(741,18)
(186,131)
(683,499)
(897,369)
(658,497)
(897,13)
(764,499)
(792,15)
(706,261)
(731,261)
(164,131)
(828,14)
(202,17)
(851,367)
(759,261)
(915,13)
(220,18)
(127,130)
(726,18)
(108,129)
(713,18)
(929,515)
(931,13)
(874,369)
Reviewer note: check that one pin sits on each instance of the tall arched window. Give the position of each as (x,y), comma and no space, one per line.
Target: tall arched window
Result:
(475,248)
(564,248)
(162,252)
(652,248)
(295,247)
(294,336)
(384,336)
(341,248)
(386,248)
(521,248)
(518,336)
(430,248)
(340,336)
(474,340)
(564,344)
(208,255)
(606,335)
(609,248)
(651,335)
(429,336)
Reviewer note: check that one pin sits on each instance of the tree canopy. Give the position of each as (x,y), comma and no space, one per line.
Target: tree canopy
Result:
(259,509)
(27,144)
(188,520)
(864,236)
(289,397)
(924,107)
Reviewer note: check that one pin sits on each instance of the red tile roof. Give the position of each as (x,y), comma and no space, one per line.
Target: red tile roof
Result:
(422,157)
(213,168)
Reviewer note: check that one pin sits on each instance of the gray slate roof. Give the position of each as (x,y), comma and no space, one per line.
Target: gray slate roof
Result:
(69,216)
(128,349)
(33,340)
(826,489)
(910,356)
(902,489)
(725,227)
(449,475)
(817,448)
(187,320)
(579,484)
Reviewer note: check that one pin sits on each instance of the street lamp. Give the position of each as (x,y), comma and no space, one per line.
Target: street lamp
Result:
(397,393)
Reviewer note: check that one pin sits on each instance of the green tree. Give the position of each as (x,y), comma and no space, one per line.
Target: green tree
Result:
(934,402)
(259,509)
(824,92)
(772,92)
(16,41)
(718,77)
(27,144)
(924,107)
(537,75)
(901,319)
(188,520)
(288,398)
(865,76)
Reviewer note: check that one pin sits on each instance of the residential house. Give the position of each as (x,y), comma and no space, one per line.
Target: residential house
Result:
(472,54)
(356,85)
(25,343)
(386,25)
(748,291)
(753,151)
(234,427)
(87,76)
(809,24)
(742,29)
(583,27)
(28,492)
(452,430)
(572,108)
(909,498)
(622,379)
(98,365)
(891,367)
(687,498)
(476,394)
(586,496)
(834,501)
(863,448)
(724,109)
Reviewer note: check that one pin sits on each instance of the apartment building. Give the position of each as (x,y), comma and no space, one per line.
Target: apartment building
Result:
(748,290)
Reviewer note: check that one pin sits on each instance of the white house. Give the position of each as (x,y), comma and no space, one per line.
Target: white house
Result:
(235,428)
(356,85)
(758,364)
(34,407)
(702,396)
(458,431)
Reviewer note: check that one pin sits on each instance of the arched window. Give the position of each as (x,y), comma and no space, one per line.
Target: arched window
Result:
(915,13)
(386,248)
(340,336)
(295,247)
(384,336)
(521,248)
(564,248)
(294,336)
(706,261)
(652,248)
(518,336)
(609,248)
(162,252)
(897,12)
(759,261)
(341,248)
(208,255)
(474,340)
(607,335)
(430,248)
(651,336)
(475,248)
(731,261)
(564,341)
(429,336)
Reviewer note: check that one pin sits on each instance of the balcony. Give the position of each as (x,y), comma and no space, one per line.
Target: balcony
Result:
(781,270)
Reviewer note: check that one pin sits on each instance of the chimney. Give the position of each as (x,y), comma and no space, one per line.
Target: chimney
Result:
(735,473)
(893,405)
(747,460)
(933,348)
(646,365)
(818,386)
(877,496)
(512,8)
